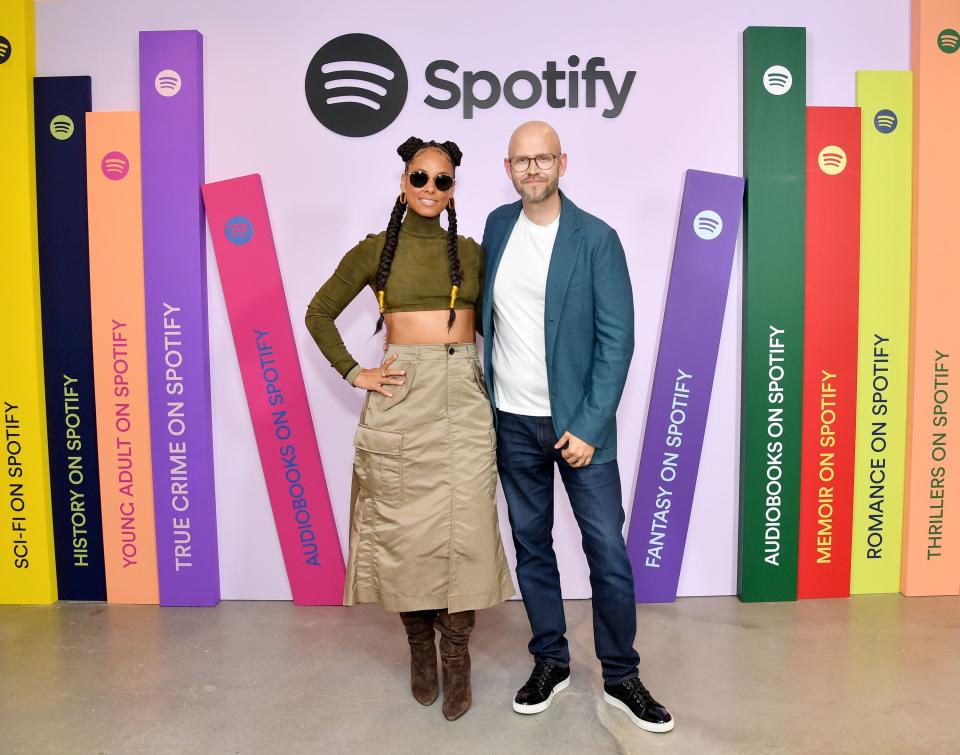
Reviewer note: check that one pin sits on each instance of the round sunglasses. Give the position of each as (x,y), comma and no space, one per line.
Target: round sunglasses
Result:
(420,178)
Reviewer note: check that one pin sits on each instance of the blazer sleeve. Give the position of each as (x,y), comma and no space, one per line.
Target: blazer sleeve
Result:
(613,345)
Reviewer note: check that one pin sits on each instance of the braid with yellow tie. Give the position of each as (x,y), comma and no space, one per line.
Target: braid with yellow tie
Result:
(407,151)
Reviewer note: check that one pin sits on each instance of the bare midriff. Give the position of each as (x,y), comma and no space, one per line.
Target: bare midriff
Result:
(406,328)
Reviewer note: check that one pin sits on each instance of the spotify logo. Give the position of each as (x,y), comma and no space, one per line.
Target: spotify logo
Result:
(62,127)
(777,80)
(707,225)
(167,82)
(948,41)
(832,160)
(238,230)
(4,49)
(885,121)
(115,165)
(356,85)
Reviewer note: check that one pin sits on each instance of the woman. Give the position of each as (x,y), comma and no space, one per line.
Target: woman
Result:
(424,536)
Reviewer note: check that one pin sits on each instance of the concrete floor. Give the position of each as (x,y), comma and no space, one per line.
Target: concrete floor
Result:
(877,674)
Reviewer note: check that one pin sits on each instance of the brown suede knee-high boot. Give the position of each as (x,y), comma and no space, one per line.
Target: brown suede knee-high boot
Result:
(423,654)
(455,631)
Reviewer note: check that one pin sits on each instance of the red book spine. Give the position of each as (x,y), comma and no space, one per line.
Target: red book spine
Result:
(830,351)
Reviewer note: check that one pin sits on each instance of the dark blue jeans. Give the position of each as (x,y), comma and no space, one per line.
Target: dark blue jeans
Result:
(525,458)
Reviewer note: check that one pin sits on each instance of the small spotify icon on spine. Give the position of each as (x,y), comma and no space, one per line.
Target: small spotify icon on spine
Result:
(62,127)
(948,41)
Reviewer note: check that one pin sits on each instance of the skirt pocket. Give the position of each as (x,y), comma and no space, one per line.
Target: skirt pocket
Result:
(400,392)
(478,377)
(378,464)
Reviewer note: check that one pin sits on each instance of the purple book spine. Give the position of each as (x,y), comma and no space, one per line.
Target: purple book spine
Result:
(683,382)
(175,280)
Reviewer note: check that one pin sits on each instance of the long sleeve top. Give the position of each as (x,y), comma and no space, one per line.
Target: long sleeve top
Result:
(419,280)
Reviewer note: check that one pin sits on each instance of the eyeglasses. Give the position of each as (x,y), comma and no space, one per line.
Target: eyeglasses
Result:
(420,178)
(522,164)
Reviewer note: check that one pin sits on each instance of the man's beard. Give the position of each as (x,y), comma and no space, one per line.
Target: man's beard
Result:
(549,189)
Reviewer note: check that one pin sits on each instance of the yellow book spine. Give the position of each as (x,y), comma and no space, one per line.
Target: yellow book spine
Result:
(886,102)
(27,569)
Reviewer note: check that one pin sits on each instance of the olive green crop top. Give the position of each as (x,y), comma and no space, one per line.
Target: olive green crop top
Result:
(419,280)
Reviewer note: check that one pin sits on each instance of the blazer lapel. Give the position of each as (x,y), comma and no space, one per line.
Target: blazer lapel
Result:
(566,250)
(493,255)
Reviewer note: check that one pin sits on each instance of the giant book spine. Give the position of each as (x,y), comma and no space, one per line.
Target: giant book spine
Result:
(62,104)
(27,570)
(175,282)
(830,351)
(120,356)
(931,538)
(774,98)
(886,115)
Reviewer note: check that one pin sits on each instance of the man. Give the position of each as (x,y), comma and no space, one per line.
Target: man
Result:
(558,326)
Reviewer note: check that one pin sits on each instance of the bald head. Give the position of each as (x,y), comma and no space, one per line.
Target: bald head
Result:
(534,137)
(534,164)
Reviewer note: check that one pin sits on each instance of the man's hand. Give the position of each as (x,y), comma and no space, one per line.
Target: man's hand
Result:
(375,378)
(576,452)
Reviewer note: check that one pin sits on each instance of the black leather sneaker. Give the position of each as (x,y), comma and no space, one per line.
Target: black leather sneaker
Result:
(546,680)
(632,698)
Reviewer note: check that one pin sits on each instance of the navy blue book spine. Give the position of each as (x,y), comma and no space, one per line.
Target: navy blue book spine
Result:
(61,104)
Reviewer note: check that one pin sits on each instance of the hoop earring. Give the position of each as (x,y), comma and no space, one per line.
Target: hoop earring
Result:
(403,197)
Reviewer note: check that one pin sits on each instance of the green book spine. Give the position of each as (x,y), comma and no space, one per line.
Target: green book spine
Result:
(774,118)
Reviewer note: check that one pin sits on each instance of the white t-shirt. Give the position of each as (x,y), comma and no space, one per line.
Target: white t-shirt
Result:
(519,353)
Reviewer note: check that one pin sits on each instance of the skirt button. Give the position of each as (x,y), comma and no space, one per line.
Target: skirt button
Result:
(451,350)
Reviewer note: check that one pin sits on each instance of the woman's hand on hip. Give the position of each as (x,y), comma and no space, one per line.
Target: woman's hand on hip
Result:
(374,378)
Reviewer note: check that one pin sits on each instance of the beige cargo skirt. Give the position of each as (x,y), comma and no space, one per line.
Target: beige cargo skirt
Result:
(424,531)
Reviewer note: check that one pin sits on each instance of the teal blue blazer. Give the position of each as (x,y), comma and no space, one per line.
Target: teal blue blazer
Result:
(588,322)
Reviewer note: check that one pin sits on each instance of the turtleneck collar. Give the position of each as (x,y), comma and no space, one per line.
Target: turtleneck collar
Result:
(417,225)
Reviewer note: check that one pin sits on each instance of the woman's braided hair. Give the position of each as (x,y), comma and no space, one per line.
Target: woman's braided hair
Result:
(407,151)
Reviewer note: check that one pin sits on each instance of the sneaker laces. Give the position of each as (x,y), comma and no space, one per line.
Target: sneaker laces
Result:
(637,691)
(541,670)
